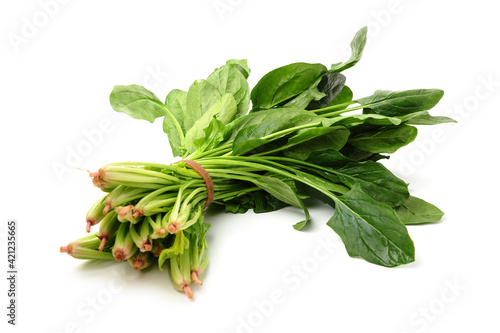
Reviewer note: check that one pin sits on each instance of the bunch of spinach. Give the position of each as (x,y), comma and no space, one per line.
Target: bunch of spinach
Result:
(299,141)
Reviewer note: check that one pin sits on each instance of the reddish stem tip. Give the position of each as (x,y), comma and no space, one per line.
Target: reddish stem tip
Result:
(194,277)
(188,291)
(94,174)
(173,227)
(89,224)
(138,265)
(64,249)
(103,243)
(146,247)
(106,209)
(119,255)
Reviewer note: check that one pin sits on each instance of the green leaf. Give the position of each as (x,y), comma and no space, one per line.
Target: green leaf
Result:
(369,119)
(328,158)
(376,181)
(331,85)
(424,118)
(284,83)
(176,104)
(418,211)
(357,46)
(181,243)
(259,128)
(224,111)
(343,98)
(137,102)
(283,192)
(229,80)
(321,138)
(386,140)
(371,230)
(241,65)
(214,134)
(305,97)
(400,103)
(200,97)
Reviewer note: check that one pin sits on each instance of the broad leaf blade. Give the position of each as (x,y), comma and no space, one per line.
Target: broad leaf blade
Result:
(331,85)
(385,140)
(400,103)
(284,83)
(229,80)
(357,46)
(224,111)
(137,102)
(241,65)
(418,211)
(376,181)
(200,97)
(371,230)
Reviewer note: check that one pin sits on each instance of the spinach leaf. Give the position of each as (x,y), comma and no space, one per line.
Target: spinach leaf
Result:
(375,180)
(328,158)
(284,83)
(357,46)
(308,95)
(369,119)
(140,103)
(331,84)
(241,65)
(176,104)
(214,134)
(424,118)
(400,103)
(343,98)
(224,111)
(386,140)
(229,80)
(418,211)
(371,230)
(332,138)
(200,97)
(257,129)
(137,102)
(283,192)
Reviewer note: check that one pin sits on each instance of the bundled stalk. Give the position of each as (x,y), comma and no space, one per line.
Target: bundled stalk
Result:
(300,140)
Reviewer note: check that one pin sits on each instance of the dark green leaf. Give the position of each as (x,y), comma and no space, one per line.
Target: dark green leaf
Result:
(257,129)
(328,158)
(283,192)
(418,211)
(284,83)
(357,46)
(370,119)
(335,138)
(400,103)
(376,181)
(385,140)
(331,85)
(343,98)
(371,230)
(424,118)
(305,97)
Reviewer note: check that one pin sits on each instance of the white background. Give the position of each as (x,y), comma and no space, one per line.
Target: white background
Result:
(61,59)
